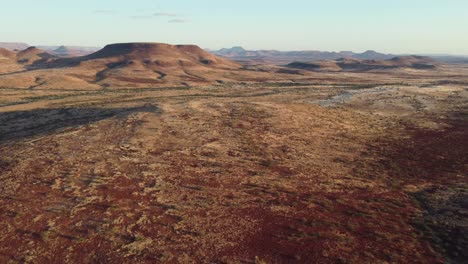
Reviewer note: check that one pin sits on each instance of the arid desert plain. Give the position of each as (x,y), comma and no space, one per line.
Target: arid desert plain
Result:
(153,153)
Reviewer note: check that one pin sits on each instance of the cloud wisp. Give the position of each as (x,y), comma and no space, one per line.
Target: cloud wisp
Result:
(173,17)
(179,20)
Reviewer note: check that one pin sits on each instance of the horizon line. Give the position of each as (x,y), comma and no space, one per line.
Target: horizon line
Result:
(247,49)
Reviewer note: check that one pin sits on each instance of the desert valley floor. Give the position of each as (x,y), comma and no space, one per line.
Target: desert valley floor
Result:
(366,167)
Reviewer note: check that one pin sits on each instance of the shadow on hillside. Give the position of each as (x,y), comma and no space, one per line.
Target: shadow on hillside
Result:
(443,221)
(18,125)
(437,157)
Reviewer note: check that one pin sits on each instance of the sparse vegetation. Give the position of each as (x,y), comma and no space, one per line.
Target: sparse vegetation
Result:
(250,169)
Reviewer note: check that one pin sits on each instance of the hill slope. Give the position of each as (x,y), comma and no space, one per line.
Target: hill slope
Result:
(149,63)
(123,65)
(7,54)
(159,54)
(33,55)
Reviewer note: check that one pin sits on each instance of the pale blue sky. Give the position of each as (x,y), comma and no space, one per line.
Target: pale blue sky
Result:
(393,26)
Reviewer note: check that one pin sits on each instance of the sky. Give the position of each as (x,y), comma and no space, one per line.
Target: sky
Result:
(391,26)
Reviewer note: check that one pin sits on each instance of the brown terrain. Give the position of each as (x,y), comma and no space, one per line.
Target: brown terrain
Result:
(154,153)
(347,64)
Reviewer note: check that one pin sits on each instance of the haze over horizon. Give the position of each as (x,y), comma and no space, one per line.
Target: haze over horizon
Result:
(423,27)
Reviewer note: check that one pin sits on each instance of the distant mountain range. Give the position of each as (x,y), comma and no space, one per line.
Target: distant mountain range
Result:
(13,45)
(242,55)
(61,51)
(69,51)
(351,64)
(450,58)
(284,57)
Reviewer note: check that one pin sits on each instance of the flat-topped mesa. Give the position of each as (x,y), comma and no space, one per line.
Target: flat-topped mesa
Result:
(413,59)
(416,62)
(121,49)
(147,65)
(159,52)
(352,64)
